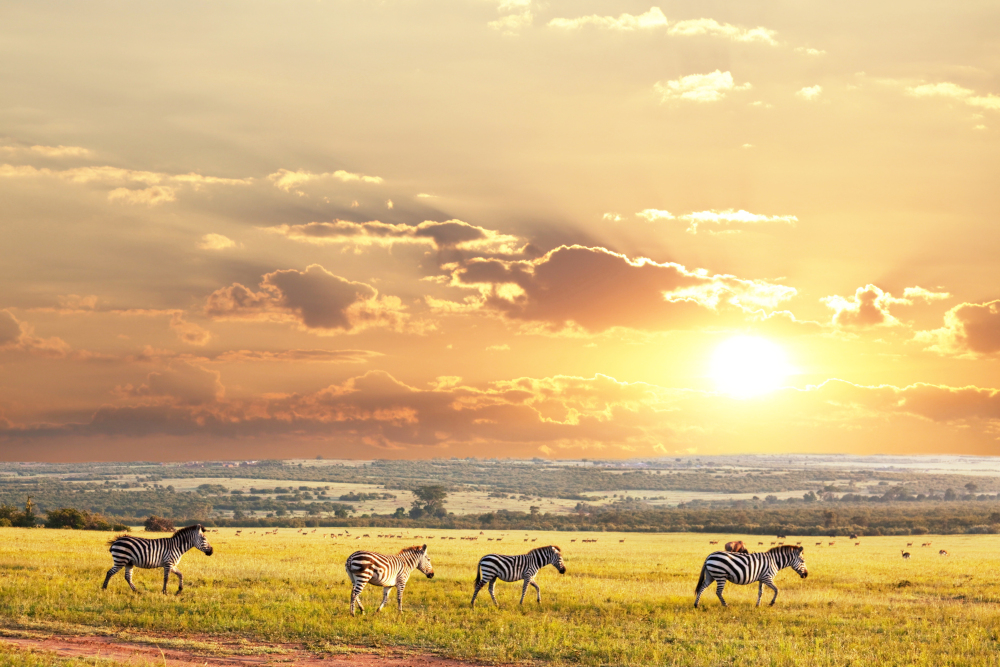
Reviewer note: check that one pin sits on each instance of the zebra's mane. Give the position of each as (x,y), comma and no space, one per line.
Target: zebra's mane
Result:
(411,550)
(551,546)
(187,529)
(784,549)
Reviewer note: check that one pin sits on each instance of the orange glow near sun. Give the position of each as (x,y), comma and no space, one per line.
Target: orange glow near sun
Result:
(747,366)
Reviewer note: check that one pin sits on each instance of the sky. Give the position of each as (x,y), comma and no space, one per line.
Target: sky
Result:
(498,228)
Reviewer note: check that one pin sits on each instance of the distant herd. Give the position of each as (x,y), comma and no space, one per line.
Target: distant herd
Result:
(736,564)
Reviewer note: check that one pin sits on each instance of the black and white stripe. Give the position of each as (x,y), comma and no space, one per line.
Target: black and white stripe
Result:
(166,552)
(385,571)
(512,568)
(743,569)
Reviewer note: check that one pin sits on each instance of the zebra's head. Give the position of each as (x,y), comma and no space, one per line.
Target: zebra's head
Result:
(798,562)
(201,542)
(424,562)
(555,558)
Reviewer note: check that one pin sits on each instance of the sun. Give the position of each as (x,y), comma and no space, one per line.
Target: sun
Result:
(747,366)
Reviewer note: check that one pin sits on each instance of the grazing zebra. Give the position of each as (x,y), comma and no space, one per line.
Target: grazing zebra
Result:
(166,552)
(906,554)
(943,553)
(385,571)
(743,569)
(511,568)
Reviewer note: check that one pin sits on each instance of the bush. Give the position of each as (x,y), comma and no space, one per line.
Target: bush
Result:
(72,518)
(156,524)
(4,522)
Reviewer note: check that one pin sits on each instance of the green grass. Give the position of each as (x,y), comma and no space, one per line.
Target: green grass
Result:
(619,604)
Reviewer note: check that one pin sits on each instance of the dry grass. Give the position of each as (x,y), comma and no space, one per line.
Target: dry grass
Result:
(620,603)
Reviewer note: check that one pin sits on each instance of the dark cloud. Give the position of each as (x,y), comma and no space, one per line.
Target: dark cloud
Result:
(598,289)
(969,328)
(315,298)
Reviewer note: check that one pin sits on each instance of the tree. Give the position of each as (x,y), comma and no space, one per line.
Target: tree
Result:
(400,512)
(430,500)
(534,509)
(950,494)
(972,487)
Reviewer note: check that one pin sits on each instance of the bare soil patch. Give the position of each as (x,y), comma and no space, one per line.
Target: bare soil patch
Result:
(223,652)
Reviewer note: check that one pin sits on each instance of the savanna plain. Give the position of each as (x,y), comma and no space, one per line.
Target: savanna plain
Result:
(626,599)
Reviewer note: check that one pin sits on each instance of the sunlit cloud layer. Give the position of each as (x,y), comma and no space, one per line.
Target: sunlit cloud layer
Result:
(498,228)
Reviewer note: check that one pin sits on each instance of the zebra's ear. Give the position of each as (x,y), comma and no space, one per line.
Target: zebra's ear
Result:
(424,548)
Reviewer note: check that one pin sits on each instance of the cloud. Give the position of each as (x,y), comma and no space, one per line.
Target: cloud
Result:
(216,242)
(924,294)
(654,18)
(48,151)
(970,329)
(710,87)
(611,217)
(151,196)
(188,332)
(653,215)
(868,307)
(956,92)
(810,51)
(298,356)
(597,289)
(731,217)
(451,234)
(293,181)
(159,187)
(17,336)
(715,29)
(939,403)
(182,384)
(316,299)
(810,93)
(10,328)
(376,412)
(512,24)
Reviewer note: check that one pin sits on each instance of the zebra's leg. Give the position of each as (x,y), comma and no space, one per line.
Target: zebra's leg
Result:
(718,591)
(114,570)
(359,585)
(538,591)
(399,595)
(385,597)
(760,591)
(524,588)
(180,579)
(128,578)
(770,584)
(166,577)
(493,583)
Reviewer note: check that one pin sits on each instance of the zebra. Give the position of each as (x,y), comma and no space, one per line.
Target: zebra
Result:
(511,568)
(166,552)
(722,566)
(385,571)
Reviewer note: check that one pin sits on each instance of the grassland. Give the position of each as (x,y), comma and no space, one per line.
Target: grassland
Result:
(621,603)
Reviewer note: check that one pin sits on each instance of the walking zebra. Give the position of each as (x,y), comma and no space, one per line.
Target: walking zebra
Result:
(512,568)
(385,571)
(743,569)
(166,552)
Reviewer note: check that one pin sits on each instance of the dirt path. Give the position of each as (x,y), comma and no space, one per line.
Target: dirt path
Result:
(223,652)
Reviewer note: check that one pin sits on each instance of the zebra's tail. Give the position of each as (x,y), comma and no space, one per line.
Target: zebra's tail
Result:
(702,577)
(115,539)
(479,574)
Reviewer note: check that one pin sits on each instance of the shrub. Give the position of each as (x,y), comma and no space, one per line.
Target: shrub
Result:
(156,524)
